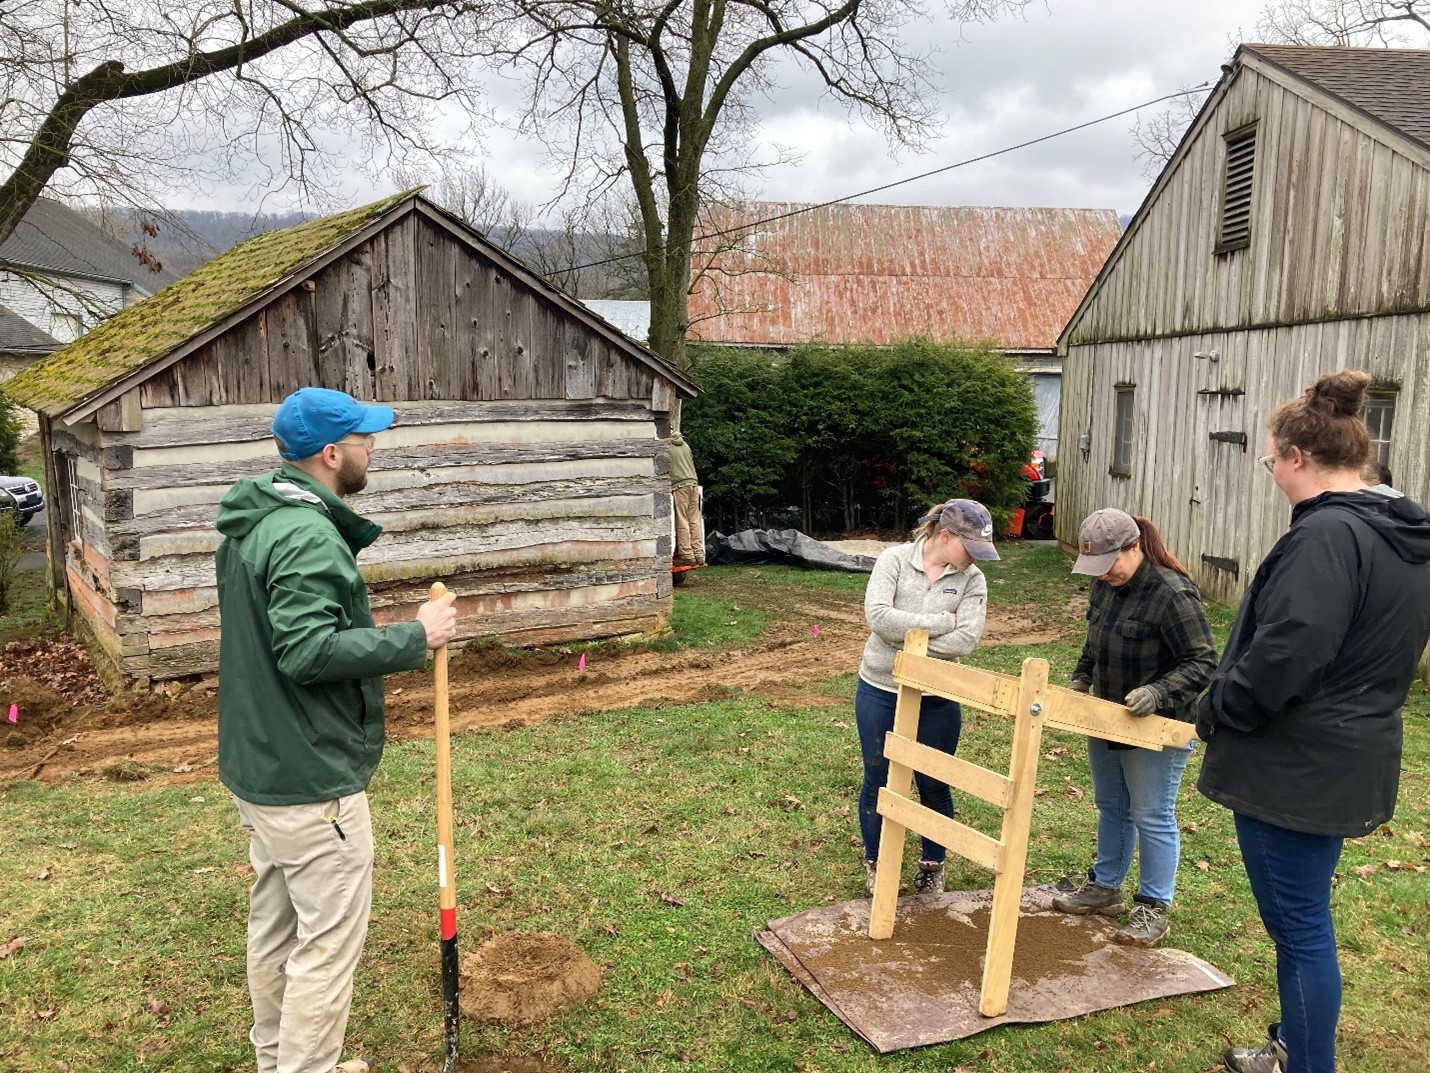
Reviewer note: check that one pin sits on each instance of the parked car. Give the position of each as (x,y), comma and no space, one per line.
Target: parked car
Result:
(22,495)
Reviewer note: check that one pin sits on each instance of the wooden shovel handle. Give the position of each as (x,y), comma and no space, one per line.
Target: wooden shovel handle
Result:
(446,870)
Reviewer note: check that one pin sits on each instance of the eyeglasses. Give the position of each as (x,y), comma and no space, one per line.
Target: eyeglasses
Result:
(1269,461)
(365,442)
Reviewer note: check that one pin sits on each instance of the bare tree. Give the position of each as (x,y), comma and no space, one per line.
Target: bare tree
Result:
(657,95)
(1373,23)
(1158,135)
(120,99)
(1387,23)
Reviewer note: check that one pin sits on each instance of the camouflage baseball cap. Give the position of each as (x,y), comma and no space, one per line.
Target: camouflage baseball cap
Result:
(970,521)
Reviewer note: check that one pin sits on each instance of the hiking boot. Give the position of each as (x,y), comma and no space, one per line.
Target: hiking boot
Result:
(1091,898)
(1148,924)
(871,869)
(929,879)
(355,1065)
(1271,1058)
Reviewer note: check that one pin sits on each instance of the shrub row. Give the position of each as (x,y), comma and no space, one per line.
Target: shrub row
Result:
(841,439)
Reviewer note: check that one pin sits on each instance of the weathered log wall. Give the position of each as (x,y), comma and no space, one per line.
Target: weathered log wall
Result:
(550,520)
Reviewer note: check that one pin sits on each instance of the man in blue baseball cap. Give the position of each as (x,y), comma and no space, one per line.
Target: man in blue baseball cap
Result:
(300,719)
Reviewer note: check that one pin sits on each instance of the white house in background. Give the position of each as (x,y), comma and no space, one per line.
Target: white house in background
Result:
(61,274)
(632,318)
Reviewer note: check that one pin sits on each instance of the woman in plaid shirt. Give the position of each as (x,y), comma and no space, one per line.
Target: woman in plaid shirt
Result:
(1149,646)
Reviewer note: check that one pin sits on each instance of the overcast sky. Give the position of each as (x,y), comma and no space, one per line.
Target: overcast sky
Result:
(1065,62)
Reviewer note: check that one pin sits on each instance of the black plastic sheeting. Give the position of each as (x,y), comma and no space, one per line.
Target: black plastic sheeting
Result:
(782,546)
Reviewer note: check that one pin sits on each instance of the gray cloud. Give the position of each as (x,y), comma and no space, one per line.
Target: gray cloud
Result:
(1001,84)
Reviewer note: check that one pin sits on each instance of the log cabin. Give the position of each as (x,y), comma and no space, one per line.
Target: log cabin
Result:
(527,468)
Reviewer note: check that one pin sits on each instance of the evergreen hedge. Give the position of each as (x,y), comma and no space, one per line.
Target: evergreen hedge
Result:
(837,439)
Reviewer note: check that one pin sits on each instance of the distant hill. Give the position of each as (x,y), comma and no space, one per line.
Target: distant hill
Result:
(195,236)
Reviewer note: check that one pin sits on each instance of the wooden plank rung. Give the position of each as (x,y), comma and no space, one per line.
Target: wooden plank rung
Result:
(987,785)
(986,690)
(1080,713)
(952,835)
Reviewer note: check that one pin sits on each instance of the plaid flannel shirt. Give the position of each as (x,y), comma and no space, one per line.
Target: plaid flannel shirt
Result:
(1152,631)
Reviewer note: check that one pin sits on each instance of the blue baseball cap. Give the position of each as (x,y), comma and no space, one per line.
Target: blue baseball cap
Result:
(313,417)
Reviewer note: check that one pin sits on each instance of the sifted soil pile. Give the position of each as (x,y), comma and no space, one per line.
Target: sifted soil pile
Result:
(519,979)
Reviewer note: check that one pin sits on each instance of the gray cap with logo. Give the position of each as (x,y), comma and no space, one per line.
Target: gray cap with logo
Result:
(1104,533)
(970,521)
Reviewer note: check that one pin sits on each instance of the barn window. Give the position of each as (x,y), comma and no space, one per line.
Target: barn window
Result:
(1235,230)
(1122,433)
(1379,419)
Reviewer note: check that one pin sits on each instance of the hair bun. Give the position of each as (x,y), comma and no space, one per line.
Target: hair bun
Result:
(1342,393)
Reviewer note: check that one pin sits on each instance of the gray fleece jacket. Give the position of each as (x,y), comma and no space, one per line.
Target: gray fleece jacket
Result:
(900,598)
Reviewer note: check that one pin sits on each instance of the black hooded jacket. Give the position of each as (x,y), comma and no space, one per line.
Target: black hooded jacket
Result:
(1302,718)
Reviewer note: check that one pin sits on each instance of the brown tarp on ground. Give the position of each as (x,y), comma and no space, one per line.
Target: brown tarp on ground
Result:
(921,986)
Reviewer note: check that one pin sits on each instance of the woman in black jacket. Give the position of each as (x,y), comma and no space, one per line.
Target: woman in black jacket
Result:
(1302,717)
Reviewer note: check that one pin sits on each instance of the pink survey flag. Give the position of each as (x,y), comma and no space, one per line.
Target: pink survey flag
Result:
(814,631)
(14,713)
(581,665)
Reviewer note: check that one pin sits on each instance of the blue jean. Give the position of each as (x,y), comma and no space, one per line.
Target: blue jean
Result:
(1290,875)
(1135,791)
(939,724)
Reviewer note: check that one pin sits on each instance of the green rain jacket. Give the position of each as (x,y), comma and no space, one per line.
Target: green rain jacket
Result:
(300,705)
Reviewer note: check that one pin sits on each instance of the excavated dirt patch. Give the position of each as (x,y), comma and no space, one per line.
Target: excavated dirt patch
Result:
(520,979)
(67,725)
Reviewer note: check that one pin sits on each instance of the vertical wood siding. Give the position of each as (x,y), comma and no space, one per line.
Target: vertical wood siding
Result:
(1338,230)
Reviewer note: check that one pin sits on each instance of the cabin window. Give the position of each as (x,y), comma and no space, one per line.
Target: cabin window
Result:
(1122,433)
(1234,232)
(1380,419)
(76,516)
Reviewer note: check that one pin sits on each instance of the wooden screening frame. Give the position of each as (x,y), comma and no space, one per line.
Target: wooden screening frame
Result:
(1032,704)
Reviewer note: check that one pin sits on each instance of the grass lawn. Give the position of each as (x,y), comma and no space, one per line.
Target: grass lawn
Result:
(25,615)
(133,899)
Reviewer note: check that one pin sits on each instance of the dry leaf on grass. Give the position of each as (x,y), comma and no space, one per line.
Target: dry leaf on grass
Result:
(14,946)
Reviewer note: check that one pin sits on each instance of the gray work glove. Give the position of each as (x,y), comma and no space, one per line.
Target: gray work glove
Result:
(1080,685)
(1143,700)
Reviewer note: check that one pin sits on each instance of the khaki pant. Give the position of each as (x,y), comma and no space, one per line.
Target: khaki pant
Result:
(307,919)
(689,525)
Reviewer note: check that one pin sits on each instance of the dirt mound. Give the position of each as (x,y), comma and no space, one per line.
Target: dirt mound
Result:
(39,711)
(520,979)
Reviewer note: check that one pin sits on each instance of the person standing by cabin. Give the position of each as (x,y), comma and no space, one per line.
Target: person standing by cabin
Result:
(300,719)
(1149,646)
(689,523)
(1303,716)
(930,584)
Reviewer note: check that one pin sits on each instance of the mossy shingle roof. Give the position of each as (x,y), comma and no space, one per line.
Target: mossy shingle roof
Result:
(131,339)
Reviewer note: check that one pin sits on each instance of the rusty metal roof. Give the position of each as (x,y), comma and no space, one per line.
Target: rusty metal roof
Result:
(880,273)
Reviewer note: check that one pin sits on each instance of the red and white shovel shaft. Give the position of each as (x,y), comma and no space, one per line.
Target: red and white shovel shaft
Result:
(446,856)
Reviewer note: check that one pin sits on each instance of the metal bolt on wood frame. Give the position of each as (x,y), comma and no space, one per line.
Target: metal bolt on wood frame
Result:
(1032,704)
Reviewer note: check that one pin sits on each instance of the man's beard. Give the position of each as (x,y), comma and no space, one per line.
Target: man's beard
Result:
(352,477)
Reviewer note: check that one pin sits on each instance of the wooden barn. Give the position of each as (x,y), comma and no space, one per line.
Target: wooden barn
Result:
(1286,238)
(527,469)
(858,274)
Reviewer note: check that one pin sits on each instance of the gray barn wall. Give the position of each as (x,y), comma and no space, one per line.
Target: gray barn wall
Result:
(1337,276)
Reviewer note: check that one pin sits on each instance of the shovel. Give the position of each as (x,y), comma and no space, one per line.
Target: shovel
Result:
(446,857)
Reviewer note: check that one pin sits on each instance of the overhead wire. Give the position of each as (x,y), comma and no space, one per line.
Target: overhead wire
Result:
(751,225)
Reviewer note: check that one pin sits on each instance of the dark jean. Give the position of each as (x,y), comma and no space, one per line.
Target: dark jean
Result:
(939,723)
(1290,875)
